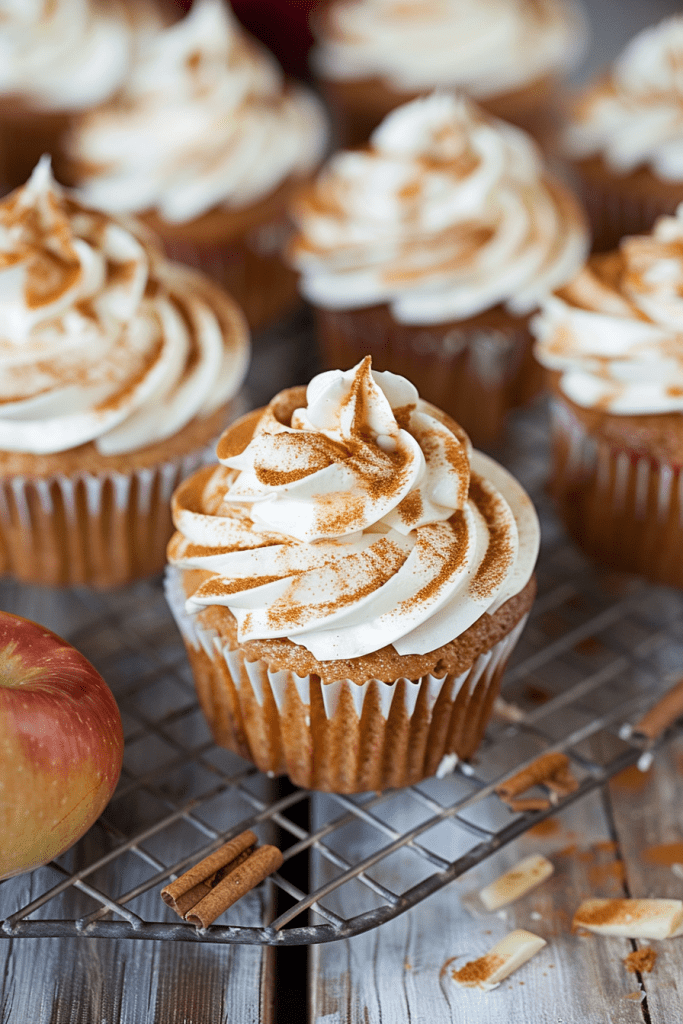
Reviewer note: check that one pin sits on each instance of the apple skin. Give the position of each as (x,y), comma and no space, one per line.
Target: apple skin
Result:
(61,745)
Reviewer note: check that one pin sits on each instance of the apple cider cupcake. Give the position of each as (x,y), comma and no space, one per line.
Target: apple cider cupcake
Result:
(430,248)
(613,342)
(350,581)
(215,188)
(509,55)
(59,58)
(626,136)
(117,369)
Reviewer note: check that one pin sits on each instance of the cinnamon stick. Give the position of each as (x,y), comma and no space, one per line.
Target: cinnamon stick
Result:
(551,770)
(662,714)
(261,863)
(195,887)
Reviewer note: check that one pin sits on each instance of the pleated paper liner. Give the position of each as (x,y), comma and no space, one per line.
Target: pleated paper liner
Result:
(623,508)
(339,737)
(101,530)
(621,205)
(477,370)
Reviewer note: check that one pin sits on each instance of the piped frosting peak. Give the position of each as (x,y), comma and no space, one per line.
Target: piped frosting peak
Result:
(355,518)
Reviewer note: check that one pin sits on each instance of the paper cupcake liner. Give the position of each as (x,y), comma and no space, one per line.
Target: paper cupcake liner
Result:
(625,509)
(101,530)
(339,737)
(475,372)
(250,268)
(617,206)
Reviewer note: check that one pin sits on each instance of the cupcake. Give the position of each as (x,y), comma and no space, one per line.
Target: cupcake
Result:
(430,248)
(350,581)
(117,369)
(626,136)
(215,188)
(56,59)
(613,342)
(509,55)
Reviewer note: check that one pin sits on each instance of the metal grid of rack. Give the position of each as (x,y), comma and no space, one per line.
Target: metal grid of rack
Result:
(597,651)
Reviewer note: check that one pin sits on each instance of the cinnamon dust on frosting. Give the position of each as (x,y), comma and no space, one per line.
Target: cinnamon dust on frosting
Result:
(422,219)
(615,332)
(346,527)
(101,339)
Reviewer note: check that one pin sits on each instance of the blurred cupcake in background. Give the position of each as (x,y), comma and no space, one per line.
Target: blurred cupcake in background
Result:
(117,368)
(626,136)
(612,341)
(430,248)
(206,143)
(509,55)
(57,58)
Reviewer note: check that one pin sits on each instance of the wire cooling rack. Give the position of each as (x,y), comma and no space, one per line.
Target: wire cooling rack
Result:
(596,652)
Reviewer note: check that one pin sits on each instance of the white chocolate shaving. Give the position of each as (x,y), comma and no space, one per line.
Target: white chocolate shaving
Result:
(631,918)
(505,957)
(516,882)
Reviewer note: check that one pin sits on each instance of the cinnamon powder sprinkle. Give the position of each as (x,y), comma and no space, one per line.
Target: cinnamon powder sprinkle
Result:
(641,961)
(498,558)
(477,971)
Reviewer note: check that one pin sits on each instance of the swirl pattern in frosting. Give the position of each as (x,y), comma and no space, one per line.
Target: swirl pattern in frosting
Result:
(238,130)
(101,339)
(446,214)
(360,519)
(68,54)
(634,116)
(615,333)
(484,48)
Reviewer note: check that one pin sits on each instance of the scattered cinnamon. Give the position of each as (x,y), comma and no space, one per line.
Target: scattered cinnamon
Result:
(663,714)
(207,890)
(551,770)
(641,961)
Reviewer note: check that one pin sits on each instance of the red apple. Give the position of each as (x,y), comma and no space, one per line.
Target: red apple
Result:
(61,745)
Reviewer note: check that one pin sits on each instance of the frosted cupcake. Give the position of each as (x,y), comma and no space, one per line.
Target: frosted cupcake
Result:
(207,143)
(430,248)
(117,369)
(350,582)
(509,55)
(58,57)
(613,341)
(626,136)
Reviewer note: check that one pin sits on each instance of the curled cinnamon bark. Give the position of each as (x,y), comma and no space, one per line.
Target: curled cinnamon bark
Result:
(207,890)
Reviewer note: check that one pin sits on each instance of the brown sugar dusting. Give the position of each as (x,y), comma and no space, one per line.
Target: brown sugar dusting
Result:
(498,558)
(641,961)
(445,551)
(373,568)
(337,514)
(221,587)
(664,854)
(410,509)
(478,971)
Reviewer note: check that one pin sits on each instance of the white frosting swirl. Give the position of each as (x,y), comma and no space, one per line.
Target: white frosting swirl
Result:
(634,117)
(238,131)
(616,332)
(100,338)
(484,48)
(67,54)
(363,521)
(447,213)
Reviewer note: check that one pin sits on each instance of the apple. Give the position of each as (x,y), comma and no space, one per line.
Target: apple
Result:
(61,745)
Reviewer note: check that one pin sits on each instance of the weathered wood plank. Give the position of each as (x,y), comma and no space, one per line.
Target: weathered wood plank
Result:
(396,972)
(647,812)
(96,981)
